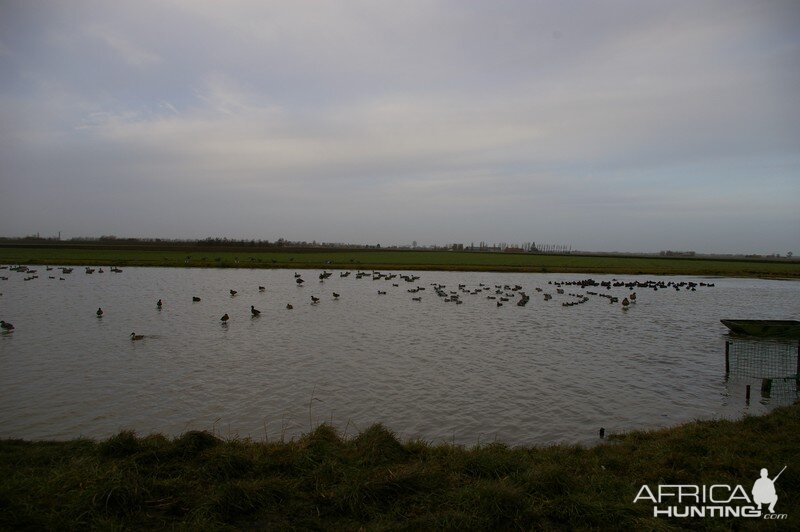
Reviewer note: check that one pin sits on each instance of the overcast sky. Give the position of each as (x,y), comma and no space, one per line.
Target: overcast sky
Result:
(604,125)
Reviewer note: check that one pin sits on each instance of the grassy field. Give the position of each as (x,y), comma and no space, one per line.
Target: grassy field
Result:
(375,482)
(394,260)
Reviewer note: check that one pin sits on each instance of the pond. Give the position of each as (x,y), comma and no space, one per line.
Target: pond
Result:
(436,367)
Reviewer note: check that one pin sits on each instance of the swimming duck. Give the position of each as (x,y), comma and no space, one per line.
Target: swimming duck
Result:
(225,318)
(233,293)
(195,298)
(99,312)
(335,295)
(289,306)
(262,288)
(158,304)
(254,311)
(6,326)
(135,336)
(314,300)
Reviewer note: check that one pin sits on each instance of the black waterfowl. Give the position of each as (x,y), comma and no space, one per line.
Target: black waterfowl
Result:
(225,318)
(314,299)
(289,306)
(233,293)
(6,326)
(335,295)
(99,312)
(135,336)
(159,304)
(299,281)
(261,288)
(254,311)
(195,298)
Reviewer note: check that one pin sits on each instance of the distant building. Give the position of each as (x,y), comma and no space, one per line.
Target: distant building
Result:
(669,253)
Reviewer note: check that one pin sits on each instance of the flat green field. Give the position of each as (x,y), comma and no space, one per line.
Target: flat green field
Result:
(408,260)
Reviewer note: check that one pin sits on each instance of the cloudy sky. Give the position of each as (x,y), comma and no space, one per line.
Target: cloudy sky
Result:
(611,125)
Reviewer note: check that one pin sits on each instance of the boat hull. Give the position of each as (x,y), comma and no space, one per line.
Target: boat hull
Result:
(764,328)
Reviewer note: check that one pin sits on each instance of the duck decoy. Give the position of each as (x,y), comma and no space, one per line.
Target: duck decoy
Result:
(225,318)
(233,293)
(289,306)
(99,312)
(195,298)
(135,336)
(6,326)
(254,311)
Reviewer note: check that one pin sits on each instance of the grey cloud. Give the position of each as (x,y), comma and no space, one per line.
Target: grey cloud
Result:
(432,121)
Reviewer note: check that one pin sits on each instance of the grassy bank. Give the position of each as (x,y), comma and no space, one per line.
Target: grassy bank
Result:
(376,482)
(393,260)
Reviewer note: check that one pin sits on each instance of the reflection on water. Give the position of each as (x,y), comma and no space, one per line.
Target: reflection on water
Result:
(443,371)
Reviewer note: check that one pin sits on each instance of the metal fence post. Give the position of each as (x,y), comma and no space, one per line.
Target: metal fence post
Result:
(728,358)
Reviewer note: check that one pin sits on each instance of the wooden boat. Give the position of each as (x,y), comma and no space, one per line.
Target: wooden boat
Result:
(764,328)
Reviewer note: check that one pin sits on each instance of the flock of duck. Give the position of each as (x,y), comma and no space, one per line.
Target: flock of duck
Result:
(499,293)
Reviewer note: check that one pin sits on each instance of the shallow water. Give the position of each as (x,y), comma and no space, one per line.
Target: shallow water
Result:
(468,373)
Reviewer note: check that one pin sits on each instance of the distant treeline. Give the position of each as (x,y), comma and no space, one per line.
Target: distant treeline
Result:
(209,242)
(213,241)
(220,243)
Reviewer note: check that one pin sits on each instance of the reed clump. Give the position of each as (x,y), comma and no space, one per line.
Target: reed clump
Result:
(375,481)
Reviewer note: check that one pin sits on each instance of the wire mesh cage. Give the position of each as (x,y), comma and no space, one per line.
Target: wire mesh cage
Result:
(762,359)
(770,367)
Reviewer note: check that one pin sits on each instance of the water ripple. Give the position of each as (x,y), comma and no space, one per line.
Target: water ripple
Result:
(467,373)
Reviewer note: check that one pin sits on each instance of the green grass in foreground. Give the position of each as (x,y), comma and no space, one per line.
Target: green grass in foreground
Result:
(375,482)
(396,260)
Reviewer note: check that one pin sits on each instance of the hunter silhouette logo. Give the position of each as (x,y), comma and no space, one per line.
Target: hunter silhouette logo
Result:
(716,500)
(764,490)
